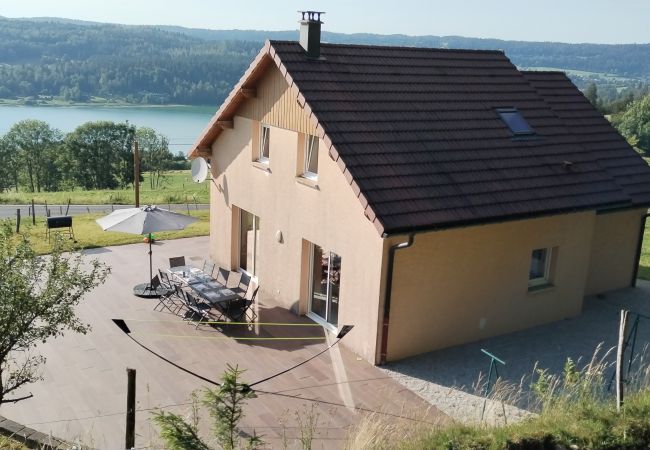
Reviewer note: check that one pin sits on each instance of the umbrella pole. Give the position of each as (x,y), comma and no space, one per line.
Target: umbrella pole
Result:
(150,266)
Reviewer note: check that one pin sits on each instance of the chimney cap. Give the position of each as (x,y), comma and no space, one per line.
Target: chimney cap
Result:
(312,16)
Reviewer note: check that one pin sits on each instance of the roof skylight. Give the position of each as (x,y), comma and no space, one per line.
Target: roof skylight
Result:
(515,121)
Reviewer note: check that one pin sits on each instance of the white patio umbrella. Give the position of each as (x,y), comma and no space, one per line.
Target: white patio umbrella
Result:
(144,220)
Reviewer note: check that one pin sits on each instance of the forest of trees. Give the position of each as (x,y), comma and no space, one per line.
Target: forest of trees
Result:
(133,64)
(96,155)
(74,61)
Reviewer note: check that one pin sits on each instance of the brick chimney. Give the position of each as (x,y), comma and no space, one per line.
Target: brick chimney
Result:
(310,33)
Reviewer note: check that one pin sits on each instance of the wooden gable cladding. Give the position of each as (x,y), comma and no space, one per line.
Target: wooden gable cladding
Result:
(275,104)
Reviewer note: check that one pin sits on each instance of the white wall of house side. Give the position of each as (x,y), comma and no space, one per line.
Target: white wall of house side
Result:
(466,284)
(328,214)
(613,254)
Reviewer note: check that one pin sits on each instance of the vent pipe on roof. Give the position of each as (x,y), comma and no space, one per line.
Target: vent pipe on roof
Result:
(310,33)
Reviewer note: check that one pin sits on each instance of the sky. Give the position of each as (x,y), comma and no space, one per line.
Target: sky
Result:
(597,21)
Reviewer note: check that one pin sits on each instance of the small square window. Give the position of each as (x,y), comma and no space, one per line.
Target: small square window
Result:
(264,151)
(310,169)
(515,121)
(540,266)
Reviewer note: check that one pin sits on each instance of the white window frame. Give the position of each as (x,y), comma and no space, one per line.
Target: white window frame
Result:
(256,230)
(310,140)
(546,278)
(265,138)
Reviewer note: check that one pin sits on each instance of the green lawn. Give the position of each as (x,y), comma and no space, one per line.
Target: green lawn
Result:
(177,187)
(89,235)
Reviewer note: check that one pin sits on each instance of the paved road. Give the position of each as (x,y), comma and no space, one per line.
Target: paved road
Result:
(9,211)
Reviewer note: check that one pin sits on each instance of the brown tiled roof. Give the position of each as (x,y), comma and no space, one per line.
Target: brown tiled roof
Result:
(417,135)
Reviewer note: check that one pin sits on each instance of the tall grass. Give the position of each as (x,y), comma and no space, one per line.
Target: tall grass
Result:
(7,443)
(573,409)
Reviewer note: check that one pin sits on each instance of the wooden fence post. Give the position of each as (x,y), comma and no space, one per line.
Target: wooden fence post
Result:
(129,441)
(18,220)
(33,213)
(620,354)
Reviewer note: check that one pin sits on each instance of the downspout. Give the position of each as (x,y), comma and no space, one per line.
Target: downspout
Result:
(389,289)
(638,249)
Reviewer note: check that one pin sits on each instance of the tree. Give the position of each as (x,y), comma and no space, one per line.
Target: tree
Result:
(101,155)
(179,162)
(8,178)
(226,407)
(156,156)
(592,95)
(634,123)
(34,142)
(38,296)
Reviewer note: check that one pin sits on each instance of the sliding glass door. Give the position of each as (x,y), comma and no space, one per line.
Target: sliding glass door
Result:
(249,232)
(325,284)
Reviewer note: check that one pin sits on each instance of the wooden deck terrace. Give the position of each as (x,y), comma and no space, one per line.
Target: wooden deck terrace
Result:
(83,394)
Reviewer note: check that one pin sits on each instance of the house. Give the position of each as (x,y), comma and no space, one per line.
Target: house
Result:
(429,197)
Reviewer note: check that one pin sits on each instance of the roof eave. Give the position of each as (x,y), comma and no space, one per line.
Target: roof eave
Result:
(612,207)
(239,93)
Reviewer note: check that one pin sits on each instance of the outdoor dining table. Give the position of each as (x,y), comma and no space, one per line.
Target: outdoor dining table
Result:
(189,274)
(206,288)
(214,293)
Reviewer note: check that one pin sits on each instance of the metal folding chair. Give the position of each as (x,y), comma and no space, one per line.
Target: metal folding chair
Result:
(172,299)
(156,286)
(222,276)
(176,261)
(198,308)
(242,287)
(208,268)
(243,308)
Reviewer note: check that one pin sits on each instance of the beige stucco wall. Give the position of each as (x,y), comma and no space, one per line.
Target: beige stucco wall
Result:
(613,255)
(328,215)
(466,284)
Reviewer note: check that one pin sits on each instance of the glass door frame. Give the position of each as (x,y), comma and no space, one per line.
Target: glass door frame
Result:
(253,272)
(310,280)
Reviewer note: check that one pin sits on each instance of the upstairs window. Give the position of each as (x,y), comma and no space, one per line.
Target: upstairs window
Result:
(310,169)
(540,267)
(265,136)
(515,121)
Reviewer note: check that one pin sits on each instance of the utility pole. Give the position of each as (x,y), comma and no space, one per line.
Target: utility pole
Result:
(136,173)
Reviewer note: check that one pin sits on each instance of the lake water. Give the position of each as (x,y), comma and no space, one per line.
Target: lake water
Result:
(180,124)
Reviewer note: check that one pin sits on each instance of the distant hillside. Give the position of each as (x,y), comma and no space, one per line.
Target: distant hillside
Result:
(76,60)
(626,60)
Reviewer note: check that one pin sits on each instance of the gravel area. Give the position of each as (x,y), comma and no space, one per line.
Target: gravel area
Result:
(448,378)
